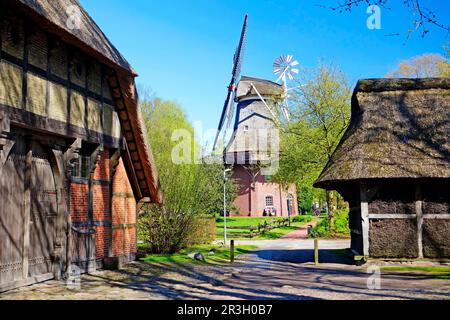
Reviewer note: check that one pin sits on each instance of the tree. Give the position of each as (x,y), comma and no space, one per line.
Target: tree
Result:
(423,66)
(446,72)
(422,17)
(191,189)
(320,115)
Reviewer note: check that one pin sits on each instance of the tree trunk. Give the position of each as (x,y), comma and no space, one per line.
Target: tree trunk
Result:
(330,210)
(338,201)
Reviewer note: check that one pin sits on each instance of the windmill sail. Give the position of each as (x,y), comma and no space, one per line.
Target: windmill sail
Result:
(228,108)
(284,68)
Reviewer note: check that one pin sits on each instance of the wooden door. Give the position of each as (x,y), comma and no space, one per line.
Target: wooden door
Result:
(12,227)
(44,211)
(28,212)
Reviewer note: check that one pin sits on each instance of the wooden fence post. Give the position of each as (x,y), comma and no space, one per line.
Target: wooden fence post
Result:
(232,251)
(316,252)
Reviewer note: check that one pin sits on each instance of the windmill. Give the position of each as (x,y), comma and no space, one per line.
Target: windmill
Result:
(284,68)
(228,108)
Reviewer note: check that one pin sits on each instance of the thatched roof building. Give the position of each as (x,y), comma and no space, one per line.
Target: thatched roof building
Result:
(75,163)
(393,165)
(399,129)
(53,16)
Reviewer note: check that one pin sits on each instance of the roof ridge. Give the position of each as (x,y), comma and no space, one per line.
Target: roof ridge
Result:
(401,84)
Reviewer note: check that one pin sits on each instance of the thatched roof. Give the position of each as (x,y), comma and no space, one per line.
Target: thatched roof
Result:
(400,128)
(52,16)
(265,88)
(89,34)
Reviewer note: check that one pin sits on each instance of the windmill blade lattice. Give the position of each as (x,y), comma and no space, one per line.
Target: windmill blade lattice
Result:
(284,67)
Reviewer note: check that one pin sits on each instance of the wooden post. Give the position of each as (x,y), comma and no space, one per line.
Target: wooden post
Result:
(59,175)
(365,219)
(232,251)
(316,252)
(27,218)
(419,214)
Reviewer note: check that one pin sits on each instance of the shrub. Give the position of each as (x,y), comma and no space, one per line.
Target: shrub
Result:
(340,228)
(204,231)
(190,189)
(304,219)
(163,230)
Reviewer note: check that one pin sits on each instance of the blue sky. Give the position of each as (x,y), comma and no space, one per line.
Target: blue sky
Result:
(183,50)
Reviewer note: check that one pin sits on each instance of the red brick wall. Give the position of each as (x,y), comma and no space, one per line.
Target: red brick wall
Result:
(79,202)
(101,210)
(251,198)
(123,214)
(110,211)
(102,241)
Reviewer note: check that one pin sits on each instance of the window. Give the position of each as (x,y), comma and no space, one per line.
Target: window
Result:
(269,201)
(245,128)
(81,167)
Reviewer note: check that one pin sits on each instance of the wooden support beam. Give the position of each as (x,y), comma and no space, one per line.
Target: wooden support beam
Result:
(365,218)
(436,216)
(26,214)
(113,163)
(63,207)
(71,155)
(392,216)
(419,214)
(5,143)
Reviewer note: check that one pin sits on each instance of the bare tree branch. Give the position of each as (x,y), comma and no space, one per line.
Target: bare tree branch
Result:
(422,16)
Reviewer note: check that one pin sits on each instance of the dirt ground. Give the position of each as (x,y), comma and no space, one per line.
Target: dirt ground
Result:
(279,269)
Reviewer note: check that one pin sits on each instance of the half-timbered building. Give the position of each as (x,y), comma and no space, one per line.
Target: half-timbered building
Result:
(393,166)
(74,157)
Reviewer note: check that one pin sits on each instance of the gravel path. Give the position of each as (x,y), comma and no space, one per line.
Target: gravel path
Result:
(279,269)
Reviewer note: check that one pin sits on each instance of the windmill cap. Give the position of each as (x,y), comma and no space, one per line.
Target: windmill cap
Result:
(266,88)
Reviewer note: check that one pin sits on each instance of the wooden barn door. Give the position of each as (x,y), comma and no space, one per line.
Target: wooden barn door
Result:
(44,212)
(12,177)
(28,214)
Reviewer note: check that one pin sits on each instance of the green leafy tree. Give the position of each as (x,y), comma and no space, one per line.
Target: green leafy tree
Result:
(305,196)
(191,190)
(320,115)
(423,66)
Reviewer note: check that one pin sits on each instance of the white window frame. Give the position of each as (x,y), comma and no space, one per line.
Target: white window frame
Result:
(269,199)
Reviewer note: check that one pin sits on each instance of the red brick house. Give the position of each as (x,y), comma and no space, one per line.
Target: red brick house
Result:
(74,157)
(253,147)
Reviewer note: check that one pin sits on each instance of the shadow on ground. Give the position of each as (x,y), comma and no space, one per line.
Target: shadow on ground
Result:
(281,274)
(338,256)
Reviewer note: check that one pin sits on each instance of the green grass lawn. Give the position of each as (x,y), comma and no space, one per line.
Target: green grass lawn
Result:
(245,222)
(221,254)
(442,273)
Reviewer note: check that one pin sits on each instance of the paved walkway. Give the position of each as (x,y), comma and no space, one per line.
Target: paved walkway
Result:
(301,233)
(280,269)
